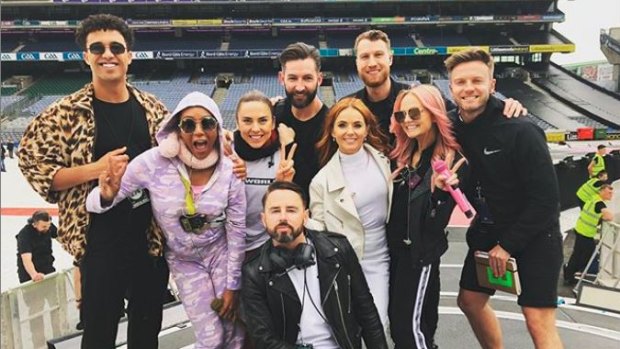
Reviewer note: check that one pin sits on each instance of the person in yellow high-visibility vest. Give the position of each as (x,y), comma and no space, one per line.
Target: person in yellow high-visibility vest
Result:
(597,164)
(589,190)
(593,212)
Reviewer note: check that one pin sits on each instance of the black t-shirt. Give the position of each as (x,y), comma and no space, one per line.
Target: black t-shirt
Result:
(29,240)
(307,133)
(598,208)
(598,183)
(118,125)
(124,227)
(382,109)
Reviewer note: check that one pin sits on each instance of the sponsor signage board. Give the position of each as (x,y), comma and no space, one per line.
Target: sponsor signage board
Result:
(50,56)
(142,55)
(9,56)
(509,49)
(28,56)
(429,51)
(552,48)
(455,49)
(72,56)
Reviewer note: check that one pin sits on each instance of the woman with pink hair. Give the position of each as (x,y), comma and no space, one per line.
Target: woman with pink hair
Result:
(420,213)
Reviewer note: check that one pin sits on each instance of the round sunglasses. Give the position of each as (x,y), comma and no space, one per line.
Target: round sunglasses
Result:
(189,125)
(98,48)
(414,114)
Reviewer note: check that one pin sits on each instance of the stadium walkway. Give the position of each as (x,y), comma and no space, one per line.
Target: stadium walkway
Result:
(579,327)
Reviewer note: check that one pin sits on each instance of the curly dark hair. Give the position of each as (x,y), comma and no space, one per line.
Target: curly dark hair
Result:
(98,22)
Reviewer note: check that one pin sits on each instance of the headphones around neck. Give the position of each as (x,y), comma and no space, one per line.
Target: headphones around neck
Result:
(285,260)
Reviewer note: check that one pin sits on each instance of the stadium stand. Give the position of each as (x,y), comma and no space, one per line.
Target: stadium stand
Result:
(342,38)
(167,40)
(257,30)
(7,101)
(58,84)
(41,104)
(54,42)
(442,38)
(401,37)
(171,91)
(8,90)
(9,42)
(265,39)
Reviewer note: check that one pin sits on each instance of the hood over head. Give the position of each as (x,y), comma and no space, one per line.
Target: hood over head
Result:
(168,134)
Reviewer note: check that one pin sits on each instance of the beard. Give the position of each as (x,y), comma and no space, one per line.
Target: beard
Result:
(380,79)
(284,237)
(309,97)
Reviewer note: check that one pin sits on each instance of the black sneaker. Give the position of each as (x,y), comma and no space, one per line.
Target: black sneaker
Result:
(567,279)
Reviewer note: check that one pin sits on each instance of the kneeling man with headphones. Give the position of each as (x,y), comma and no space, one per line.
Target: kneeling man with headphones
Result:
(305,289)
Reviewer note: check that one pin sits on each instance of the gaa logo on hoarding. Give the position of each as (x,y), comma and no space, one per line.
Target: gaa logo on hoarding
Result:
(142,55)
(29,56)
(51,56)
(6,57)
(72,56)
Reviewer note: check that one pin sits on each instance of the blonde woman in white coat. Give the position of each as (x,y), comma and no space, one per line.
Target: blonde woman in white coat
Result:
(351,194)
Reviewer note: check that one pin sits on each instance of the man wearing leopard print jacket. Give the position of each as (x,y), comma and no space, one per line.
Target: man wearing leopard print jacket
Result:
(62,153)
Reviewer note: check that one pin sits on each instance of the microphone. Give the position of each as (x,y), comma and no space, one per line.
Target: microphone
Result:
(440,167)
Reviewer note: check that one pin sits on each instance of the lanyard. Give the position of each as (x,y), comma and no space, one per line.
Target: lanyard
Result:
(189,197)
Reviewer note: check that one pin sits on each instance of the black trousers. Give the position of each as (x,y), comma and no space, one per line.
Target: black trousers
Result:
(582,251)
(414,310)
(111,272)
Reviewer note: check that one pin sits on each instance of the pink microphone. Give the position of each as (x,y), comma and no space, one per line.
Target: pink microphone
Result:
(440,167)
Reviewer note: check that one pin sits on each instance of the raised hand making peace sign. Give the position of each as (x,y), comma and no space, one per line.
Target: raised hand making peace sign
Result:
(286,169)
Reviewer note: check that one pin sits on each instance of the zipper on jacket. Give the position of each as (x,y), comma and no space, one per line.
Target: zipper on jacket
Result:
(344,326)
(283,317)
(330,288)
(408,241)
(349,281)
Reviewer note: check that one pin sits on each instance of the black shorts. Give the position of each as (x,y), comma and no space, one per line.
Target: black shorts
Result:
(538,264)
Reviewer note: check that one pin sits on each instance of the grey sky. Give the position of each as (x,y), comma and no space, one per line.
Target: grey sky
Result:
(584,20)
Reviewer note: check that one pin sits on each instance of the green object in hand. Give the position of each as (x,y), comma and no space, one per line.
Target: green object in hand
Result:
(506,281)
(217,304)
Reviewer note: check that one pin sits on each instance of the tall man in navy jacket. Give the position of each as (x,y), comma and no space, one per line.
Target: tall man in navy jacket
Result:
(515,191)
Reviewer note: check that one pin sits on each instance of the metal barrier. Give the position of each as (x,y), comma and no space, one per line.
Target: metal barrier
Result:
(609,271)
(604,291)
(33,313)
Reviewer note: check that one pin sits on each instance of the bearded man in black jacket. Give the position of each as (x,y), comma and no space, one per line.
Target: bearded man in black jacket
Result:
(306,289)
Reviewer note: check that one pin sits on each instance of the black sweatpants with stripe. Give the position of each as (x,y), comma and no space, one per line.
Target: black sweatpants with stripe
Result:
(414,302)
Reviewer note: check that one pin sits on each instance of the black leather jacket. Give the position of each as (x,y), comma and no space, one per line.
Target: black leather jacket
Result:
(272,309)
(419,218)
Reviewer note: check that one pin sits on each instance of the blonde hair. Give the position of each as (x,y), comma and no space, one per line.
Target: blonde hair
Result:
(474,54)
(373,35)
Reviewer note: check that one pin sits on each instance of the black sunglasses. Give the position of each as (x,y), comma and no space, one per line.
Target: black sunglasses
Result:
(98,48)
(414,113)
(189,125)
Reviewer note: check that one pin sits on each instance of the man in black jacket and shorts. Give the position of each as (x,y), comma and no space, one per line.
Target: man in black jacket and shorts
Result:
(514,188)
